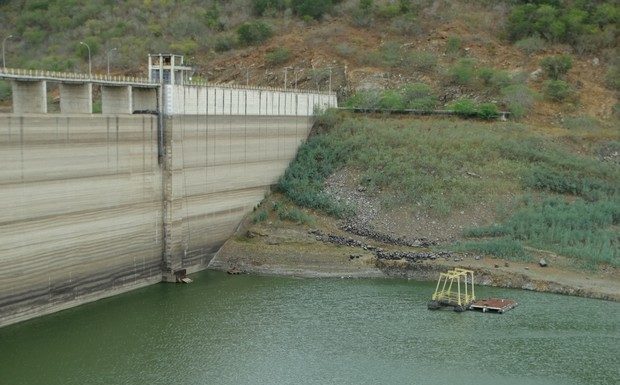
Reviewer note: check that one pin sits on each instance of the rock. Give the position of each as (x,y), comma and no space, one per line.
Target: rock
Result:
(477,257)
(536,75)
(527,268)
(496,266)
(542,262)
(595,62)
(506,264)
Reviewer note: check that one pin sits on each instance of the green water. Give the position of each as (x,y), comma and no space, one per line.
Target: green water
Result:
(262,330)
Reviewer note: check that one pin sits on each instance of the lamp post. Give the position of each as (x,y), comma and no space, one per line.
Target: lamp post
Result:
(89,63)
(108,54)
(3,42)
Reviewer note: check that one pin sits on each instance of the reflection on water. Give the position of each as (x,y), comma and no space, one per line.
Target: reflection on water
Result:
(264,330)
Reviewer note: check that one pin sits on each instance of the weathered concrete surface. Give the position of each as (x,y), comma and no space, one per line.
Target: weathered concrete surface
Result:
(29,97)
(86,205)
(116,100)
(144,99)
(80,199)
(220,169)
(76,98)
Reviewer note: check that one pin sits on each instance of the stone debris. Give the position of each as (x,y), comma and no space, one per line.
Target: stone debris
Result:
(364,231)
(379,252)
(542,262)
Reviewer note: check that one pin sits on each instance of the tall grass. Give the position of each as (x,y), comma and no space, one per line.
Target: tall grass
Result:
(445,165)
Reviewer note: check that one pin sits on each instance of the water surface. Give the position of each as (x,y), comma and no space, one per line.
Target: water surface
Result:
(271,330)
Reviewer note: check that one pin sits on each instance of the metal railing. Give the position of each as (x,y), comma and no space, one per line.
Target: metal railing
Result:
(29,74)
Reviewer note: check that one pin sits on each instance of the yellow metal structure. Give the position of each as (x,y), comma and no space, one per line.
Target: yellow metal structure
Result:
(449,291)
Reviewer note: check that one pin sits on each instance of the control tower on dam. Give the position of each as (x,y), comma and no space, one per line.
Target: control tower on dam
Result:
(148,190)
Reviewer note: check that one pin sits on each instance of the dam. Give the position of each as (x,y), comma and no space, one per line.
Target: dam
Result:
(147,191)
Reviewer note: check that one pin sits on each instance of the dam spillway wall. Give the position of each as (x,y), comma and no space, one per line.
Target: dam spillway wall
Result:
(94,205)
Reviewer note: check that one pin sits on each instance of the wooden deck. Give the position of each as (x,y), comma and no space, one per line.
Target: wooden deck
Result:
(497,305)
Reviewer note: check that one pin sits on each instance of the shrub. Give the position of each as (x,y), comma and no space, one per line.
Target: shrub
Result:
(465,107)
(345,50)
(557,90)
(519,100)
(556,67)
(254,32)
(388,11)
(406,25)
(531,45)
(260,216)
(423,61)
(453,46)
(419,96)
(391,100)
(364,99)
(488,111)
(278,56)
(260,7)
(312,8)
(612,77)
(224,43)
(462,73)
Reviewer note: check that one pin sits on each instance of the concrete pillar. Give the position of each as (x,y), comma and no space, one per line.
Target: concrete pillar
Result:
(116,100)
(144,99)
(29,97)
(76,98)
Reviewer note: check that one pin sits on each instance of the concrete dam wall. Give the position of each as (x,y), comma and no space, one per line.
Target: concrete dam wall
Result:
(95,205)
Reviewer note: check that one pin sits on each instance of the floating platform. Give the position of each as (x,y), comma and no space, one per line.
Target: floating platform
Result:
(497,305)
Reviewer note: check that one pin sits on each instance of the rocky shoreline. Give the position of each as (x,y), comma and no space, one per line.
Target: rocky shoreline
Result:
(295,251)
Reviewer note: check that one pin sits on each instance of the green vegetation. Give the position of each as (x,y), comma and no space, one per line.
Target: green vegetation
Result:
(468,108)
(587,26)
(556,67)
(570,204)
(255,32)
(416,96)
(312,8)
(557,90)
(519,100)
(5,90)
(278,56)
(462,73)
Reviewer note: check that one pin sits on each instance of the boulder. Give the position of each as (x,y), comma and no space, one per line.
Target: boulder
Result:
(542,262)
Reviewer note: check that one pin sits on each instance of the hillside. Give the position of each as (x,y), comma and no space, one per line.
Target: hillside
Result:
(544,184)
(459,49)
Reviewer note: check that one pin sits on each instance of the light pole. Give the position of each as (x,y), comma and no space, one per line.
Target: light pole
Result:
(3,42)
(89,63)
(108,54)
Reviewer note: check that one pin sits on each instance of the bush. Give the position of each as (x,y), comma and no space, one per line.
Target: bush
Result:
(462,73)
(465,107)
(556,67)
(278,56)
(260,7)
(254,32)
(488,111)
(260,216)
(531,45)
(312,8)
(224,43)
(612,78)
(391,100)
(494,79)
(453,46)
(364,99)
(519,100)
(419,96)
(583,24)
(423,61)
(557,90)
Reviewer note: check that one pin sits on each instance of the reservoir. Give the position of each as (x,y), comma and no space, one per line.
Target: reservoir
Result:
(245,329)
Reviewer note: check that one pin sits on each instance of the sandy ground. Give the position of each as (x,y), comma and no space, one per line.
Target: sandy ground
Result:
(280,248)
